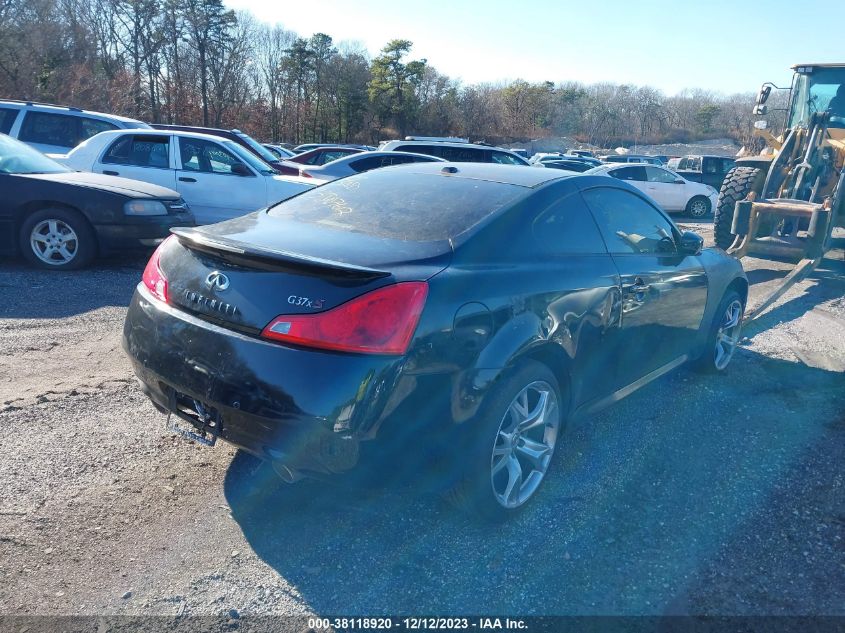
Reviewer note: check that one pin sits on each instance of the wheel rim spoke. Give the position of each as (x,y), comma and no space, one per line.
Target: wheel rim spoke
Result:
(535,452)
(537,417)
(514,479)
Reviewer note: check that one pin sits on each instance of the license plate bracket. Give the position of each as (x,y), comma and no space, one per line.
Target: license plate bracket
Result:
(205,421)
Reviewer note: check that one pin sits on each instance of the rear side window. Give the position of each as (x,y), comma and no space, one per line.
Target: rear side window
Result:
(140,150)
(7,119)
(398,204)
(629,224)
(504,158)
(567,227)
(50,129)
(629,173)
(91,127)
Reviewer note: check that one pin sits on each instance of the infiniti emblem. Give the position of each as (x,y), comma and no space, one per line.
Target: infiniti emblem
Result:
(217,280)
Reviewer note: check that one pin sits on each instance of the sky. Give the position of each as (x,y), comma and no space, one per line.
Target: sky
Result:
(717,45)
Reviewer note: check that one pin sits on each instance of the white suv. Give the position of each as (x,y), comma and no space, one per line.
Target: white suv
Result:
(56,129)
(457,152)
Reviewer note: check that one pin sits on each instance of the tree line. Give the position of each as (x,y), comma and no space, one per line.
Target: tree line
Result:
(195,62)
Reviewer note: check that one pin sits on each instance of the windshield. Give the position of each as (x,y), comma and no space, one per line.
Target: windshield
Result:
(259,149)
(823,89)
(18,158)
(249,158)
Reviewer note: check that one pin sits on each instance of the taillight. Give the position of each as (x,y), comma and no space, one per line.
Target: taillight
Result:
(304,174)
(153,277)
(379,322)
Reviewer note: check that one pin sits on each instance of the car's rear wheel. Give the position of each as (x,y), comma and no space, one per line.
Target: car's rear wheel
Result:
(512,445)
(57,239)
(723,338)
(698,207)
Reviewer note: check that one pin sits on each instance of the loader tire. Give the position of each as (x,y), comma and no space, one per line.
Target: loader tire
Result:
(738,183)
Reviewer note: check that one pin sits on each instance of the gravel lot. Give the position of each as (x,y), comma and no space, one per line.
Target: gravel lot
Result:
(716,495)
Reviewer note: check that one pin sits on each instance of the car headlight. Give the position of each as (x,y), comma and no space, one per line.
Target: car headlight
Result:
(144,207)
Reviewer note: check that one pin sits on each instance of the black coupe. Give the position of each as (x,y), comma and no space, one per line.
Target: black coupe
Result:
(60,219)
(454,315)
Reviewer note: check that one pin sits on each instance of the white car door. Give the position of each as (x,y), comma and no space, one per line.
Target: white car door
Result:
(215,183)
(145,157)
(667,188)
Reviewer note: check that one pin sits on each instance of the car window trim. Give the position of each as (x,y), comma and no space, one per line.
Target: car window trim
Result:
(181,167)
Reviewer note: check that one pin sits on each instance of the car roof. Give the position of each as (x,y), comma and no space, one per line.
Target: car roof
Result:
(360,155)
(155,132)
(519,175)
(54,107)
(447,144)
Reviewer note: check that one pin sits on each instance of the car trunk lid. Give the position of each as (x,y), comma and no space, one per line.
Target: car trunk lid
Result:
(245,272)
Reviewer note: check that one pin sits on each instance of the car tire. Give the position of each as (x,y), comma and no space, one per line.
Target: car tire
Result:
(698,207)
(504,444)
(724,334)
(738,183)
(57,239)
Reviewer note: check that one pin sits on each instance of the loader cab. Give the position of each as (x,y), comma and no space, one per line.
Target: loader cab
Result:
(817,88)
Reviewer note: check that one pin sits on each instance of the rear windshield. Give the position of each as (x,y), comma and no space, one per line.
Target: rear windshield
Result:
(396,203)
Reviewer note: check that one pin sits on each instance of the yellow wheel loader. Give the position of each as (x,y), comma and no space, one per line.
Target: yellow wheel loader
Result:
(785,203)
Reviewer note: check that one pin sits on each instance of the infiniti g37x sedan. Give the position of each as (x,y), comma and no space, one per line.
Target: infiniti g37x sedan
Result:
(455,315)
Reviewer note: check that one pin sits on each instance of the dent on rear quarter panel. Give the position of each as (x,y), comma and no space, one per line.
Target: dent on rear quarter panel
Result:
(721,269)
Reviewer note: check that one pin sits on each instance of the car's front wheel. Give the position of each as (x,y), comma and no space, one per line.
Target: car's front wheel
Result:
(512,445)
(698,207)
(57,239)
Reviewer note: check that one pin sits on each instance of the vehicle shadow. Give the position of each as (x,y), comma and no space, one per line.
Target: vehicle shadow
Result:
(32,293)
(642,498)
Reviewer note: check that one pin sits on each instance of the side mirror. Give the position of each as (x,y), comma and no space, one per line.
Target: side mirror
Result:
(760,110)
(760,125)
(691,243)
(239,169)
(763,95)
(679,181)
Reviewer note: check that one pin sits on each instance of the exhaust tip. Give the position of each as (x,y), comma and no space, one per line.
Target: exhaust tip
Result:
(286,473)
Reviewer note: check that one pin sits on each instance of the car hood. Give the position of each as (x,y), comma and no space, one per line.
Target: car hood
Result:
(113,184)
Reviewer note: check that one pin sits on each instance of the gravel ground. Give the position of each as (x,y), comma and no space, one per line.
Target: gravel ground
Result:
(703,495)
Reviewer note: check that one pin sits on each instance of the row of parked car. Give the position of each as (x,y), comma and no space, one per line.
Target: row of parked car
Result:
(103,183)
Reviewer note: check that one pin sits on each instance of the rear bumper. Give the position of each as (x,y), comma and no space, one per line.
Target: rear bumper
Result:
(307,408)
(140,232)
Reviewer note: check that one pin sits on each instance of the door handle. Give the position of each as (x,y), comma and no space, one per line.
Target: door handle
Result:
(638,287)
(186,179)
(108,172)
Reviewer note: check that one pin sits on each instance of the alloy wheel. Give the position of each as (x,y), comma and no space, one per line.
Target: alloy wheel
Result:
(54,242)
(727,336)
(698,208)
(525,443)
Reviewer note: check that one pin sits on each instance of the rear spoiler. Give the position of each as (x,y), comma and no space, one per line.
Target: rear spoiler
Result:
(270,259)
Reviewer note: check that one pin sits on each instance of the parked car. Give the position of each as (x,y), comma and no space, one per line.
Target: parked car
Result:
(315,157)
(307,147)
(585,153)
(519,151)
(632,158)
(567,164)
(710,170)
(61,220)
(241,138)
(365,161)
(218,177)
(458,152)
(462,312)
(55,128)
(282,153)
(545,157)
(595,162)
(668,189)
